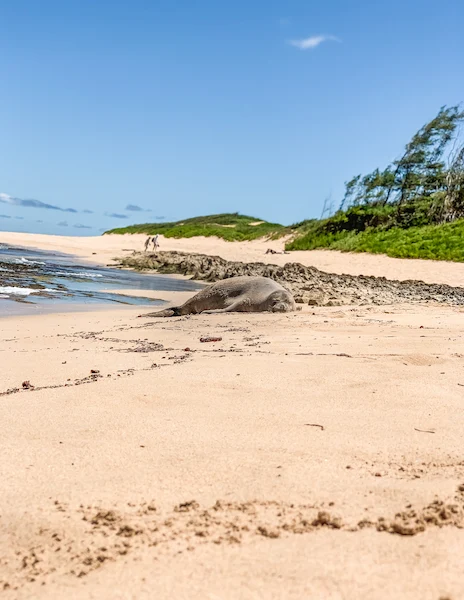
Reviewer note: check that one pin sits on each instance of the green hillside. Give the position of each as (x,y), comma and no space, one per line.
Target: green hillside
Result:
(228,226)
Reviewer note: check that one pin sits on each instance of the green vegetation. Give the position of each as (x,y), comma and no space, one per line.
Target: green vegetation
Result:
(229,226)
(437,242)
(413,208)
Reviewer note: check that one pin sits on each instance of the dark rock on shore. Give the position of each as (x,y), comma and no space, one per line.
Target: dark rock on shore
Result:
(308,284)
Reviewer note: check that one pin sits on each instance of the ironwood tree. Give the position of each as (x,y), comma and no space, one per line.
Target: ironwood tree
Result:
(421,171)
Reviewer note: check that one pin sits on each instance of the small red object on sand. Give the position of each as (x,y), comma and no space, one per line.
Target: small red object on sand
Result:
(210,339)
(27,385)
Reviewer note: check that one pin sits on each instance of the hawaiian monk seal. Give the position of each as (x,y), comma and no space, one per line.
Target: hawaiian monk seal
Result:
(237,294)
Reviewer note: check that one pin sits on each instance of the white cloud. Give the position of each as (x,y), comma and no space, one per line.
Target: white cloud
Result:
(6,198)
(313,42)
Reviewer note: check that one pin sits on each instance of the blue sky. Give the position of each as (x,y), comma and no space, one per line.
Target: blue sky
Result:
(184,108)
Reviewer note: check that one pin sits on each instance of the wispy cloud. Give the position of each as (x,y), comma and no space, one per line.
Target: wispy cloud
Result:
(5,217)
(62,224)
(31,203)
(313,42)
(160,218)
(135,208)
(80,226)
(19,218)
(87,211)
(116,215)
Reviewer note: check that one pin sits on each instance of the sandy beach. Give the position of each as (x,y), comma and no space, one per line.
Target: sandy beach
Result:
(316,454)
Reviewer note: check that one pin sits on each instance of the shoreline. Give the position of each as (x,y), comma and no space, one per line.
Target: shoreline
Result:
(58,304)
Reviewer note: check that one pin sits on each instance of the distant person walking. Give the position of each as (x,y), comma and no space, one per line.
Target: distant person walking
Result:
(147,243)
(155,243)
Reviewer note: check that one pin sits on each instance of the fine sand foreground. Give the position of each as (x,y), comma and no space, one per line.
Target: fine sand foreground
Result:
(310,455)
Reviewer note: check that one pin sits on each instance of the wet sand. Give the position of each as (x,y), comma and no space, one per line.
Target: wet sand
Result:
(309,455)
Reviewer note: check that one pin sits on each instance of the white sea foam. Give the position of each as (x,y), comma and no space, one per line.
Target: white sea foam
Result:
(83,274)
(19,291)
(24,261)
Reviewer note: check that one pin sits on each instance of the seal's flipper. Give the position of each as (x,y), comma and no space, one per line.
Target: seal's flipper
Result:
(167,312)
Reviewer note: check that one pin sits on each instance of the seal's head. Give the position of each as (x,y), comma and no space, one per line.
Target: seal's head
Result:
(281,301)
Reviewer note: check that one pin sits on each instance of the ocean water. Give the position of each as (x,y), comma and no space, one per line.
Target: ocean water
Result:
(33,281)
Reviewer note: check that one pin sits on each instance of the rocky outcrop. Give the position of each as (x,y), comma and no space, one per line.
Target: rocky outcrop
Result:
(308,284)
